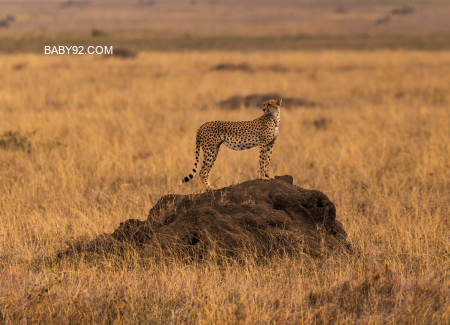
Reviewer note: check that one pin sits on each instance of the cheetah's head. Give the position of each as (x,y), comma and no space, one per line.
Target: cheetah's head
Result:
(272,106)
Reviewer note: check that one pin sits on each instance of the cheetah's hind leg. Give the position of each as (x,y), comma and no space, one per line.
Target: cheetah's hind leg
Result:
(209,157)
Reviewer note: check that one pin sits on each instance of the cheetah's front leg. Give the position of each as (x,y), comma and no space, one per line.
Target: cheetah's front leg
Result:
(269,148)
(262,162)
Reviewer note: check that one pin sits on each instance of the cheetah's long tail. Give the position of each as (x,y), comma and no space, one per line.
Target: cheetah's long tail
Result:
(197,155)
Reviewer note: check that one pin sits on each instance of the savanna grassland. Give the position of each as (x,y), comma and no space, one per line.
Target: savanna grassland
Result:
(88,142)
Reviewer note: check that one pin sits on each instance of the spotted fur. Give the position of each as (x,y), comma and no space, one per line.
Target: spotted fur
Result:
(238,136)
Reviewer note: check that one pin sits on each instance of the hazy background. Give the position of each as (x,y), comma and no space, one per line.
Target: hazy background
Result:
(206,24)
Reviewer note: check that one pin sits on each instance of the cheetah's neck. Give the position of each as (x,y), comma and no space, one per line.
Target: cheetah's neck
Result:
(276,117)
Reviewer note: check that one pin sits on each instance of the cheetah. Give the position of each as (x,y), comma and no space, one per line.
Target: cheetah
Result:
(238,136)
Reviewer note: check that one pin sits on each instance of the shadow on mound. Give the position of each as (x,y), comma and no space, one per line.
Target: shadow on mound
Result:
(261,218)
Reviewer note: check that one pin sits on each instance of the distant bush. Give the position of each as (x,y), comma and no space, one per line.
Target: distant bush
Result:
(340,10)
(72,3)
(382,20)
(124,53)
(4,23)
(97,32)
(232,66)
(14,140)
(146,2)
(406,10)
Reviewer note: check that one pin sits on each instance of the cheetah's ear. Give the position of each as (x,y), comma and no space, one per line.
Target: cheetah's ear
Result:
(279,102)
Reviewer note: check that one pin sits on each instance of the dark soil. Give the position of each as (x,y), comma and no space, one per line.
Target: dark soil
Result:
(264,218)
(257,100)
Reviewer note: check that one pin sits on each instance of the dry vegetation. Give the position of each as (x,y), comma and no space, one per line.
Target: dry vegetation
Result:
(86,143)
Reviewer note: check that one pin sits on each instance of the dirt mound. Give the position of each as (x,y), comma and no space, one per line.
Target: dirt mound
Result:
(263,218)
(257,100)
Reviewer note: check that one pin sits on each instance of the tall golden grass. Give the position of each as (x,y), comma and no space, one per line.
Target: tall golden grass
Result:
(86,143)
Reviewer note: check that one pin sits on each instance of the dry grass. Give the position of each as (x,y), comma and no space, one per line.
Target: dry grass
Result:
(102,140)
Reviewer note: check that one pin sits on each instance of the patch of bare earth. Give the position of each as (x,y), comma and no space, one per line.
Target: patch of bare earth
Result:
(256,100)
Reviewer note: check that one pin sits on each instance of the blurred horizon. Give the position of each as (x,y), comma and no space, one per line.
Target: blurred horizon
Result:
(224,18)
(173,25)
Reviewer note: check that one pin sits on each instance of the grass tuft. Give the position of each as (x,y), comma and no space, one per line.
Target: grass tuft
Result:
(11,140)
